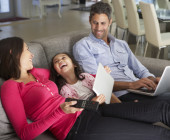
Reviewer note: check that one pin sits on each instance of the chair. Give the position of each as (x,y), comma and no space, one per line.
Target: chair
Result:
(168,4)
(42,3)
(152,29)
(120,16)
(135,25)
(163,4)
(113,16)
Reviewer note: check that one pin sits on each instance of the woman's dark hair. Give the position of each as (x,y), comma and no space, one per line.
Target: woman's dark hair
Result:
(58,79)
(100,8)
(10,53)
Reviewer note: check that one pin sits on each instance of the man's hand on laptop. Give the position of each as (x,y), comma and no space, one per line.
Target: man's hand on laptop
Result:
(143,83)
(155,79)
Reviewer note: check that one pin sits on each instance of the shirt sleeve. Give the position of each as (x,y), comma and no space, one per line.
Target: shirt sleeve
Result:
(139,70)
(82,54)
(41,71)
(14,108)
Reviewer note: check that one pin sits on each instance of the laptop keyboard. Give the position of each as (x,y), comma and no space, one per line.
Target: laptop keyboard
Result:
(146,90)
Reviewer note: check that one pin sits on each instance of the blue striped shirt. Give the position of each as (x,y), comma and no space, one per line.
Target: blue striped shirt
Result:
(124,66)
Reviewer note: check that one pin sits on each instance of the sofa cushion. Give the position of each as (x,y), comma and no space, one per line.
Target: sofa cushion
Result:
(39,59)
(6,130)
(60,43)
(1,81)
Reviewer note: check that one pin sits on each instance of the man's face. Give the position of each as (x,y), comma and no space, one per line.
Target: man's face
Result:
(100,25)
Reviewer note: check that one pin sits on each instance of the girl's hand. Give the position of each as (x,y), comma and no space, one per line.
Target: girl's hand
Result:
(107,69)
(101,99)
(67,107)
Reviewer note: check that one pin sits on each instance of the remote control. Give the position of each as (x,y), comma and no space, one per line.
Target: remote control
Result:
(89,105)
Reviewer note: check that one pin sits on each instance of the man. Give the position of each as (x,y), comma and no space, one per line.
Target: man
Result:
(100,46)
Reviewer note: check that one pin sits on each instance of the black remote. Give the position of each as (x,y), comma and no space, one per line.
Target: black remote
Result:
(89,105)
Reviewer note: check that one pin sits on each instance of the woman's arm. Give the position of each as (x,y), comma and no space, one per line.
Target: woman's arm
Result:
(41,71)
(14,108)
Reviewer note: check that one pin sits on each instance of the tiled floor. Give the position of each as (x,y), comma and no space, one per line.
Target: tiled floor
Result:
(51,24)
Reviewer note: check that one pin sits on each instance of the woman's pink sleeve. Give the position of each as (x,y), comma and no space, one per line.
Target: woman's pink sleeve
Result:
(14,109)
(42,71)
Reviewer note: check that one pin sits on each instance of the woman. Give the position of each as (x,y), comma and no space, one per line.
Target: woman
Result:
(28,93)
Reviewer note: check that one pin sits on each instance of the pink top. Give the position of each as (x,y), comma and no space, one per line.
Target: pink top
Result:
(67,91)
(40,102)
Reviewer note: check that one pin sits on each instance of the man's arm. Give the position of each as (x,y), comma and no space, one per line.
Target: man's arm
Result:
(136,66)
(146,79)
(144,82)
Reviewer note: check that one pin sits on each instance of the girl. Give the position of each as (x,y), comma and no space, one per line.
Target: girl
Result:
(66,73)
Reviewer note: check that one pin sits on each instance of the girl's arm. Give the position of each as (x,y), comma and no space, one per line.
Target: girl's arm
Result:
(14,108)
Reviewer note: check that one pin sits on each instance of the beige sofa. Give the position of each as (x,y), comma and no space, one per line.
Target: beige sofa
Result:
(44,49)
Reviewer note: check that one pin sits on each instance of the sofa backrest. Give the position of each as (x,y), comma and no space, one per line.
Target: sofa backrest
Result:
(155,66)
(39,59)
(60,43)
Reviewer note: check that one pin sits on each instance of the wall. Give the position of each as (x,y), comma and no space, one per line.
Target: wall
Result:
(24,8)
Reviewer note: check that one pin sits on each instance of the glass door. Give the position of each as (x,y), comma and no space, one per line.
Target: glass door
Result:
(6,9)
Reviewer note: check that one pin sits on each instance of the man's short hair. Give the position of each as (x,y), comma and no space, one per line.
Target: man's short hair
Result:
(100,8)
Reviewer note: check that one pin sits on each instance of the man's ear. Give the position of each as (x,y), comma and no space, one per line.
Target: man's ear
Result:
(89,20)
(110,22)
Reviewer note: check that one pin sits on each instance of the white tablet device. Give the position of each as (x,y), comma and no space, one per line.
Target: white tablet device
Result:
(103,83)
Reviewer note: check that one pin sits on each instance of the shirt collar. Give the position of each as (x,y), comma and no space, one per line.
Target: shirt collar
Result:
(111,38)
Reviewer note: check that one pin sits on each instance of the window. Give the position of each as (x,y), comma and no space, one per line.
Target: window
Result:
(4,6)
(147,1)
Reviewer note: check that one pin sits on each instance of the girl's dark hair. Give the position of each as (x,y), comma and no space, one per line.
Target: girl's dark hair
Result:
(10,53)
(58,79)
(100,8)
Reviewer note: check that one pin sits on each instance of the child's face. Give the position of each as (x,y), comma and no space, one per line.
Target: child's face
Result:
(63,64)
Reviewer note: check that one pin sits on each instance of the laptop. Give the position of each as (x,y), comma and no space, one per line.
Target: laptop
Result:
(162,87)
(103,83)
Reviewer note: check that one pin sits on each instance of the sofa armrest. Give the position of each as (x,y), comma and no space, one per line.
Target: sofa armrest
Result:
(155,66)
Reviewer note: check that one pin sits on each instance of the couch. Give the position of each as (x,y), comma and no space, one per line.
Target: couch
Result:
(44,49)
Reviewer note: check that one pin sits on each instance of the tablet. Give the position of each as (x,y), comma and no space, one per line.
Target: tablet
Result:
(103,83)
